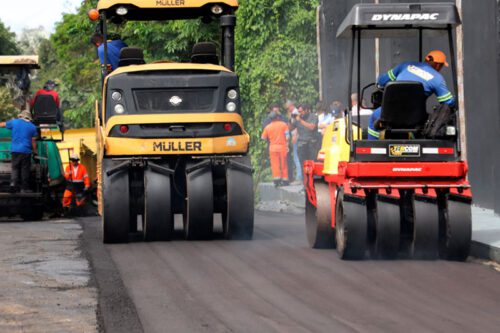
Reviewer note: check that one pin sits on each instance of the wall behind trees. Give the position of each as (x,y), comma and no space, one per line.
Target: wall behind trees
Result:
(481,81)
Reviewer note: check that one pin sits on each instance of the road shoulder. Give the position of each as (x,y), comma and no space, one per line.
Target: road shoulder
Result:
(116,311)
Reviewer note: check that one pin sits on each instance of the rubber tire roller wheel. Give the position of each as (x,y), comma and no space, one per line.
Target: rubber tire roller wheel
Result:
(458,231)
(158,216)
(387,230)
(351,229)
(425,244)
(238,218)
(320,233)
(116,210)
(199,207)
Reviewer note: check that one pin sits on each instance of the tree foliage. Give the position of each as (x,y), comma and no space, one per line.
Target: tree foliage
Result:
(7,41)
(8,46)
(275,56)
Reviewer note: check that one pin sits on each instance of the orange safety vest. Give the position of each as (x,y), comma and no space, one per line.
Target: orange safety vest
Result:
(77,175)
(276,132)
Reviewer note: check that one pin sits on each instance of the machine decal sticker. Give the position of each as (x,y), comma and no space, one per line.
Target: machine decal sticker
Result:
(406,169)
(420,73)
(170,3)
(404,150)
(175,100)
(406,17)
(231,142)
(177,146)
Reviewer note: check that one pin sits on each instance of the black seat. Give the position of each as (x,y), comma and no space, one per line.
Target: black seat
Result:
(46,111)
(131,56)
(205,53)
(403,106)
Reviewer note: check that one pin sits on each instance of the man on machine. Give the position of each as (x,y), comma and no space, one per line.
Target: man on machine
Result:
(426,73)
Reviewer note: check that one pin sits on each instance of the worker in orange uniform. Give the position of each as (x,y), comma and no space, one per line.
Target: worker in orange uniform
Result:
(278,135)
(77,180)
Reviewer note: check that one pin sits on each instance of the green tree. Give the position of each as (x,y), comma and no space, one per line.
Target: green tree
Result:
(276,57)
(7,41)
(7,47)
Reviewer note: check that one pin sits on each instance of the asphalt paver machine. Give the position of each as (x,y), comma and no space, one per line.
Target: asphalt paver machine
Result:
(405,195)
(46,177)
(171,135)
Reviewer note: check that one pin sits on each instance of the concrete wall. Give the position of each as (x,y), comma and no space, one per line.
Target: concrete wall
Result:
(481,80)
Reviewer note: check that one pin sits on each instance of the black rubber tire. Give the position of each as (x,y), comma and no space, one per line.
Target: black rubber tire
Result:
(116,210)
(158,216)
(351,229)
(456,242)
(238,217)
(425,243)
(199,206)
(387,230)
(320,233)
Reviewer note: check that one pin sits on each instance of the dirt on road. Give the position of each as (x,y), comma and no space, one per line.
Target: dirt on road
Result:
(44,279)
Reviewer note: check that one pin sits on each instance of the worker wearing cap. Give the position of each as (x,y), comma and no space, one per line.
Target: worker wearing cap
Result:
(23,144)
(77,180)
(114,48)
(426,73)
(48,89)
(278,135)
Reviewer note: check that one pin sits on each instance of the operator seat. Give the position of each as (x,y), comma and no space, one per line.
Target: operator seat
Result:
(46,111)
(131,56)
(205,53)
(403,109)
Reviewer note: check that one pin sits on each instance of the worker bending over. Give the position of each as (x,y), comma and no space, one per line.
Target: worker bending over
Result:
(426,73)
(23,145)
(77,180)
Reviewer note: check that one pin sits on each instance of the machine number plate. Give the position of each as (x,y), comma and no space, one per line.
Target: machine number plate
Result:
(404,150)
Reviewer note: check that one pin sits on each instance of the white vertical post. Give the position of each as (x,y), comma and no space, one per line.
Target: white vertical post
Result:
(377,54)
(318,48)
(460,80)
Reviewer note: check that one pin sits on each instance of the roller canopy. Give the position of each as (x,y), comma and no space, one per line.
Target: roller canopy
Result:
(399,20)
(14,63)
(145,10)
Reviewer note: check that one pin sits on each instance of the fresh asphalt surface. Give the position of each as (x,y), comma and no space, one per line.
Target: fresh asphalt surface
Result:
(276,283)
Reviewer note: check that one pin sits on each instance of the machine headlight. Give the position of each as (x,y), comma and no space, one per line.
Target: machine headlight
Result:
(217,10)
(119,109)
(116,96)
(451,131)
(232,94)
(231,107)
(121,11)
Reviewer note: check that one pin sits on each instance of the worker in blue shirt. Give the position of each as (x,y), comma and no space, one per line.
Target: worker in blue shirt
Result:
(425,72)
(24,135)
(114,48)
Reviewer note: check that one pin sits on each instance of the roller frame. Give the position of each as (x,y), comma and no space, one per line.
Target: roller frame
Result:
(320,233)
(199,205)
(116,212)
(238,216)
(158,216)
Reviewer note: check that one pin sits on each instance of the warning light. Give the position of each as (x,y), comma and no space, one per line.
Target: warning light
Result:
(93,14)
(124,129)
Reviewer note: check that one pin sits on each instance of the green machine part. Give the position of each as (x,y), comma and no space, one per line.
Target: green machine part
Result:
(47,150)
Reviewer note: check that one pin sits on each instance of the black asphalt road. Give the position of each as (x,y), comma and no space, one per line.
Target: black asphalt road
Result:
(276,283)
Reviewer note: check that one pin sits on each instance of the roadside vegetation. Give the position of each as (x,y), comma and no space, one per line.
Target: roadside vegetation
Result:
(275,57)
